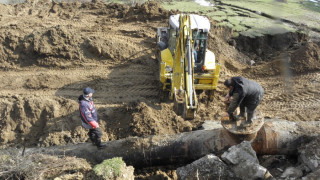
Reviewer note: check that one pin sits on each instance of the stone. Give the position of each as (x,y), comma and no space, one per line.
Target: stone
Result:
(250,170)
(240,153)
(244,162)
(309,155)
(292,172)
(207,167)
(312,176)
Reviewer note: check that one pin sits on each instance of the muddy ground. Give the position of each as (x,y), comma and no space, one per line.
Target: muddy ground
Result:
(49,52)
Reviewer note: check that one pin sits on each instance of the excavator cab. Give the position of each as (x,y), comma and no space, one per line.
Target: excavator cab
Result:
(200,46)
(186,65)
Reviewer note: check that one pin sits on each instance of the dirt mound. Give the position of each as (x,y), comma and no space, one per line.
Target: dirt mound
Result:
(31,120)
(265,48)
(73,33)
(306,58)
(32,42)
(150,10)
(50,46)
(160,119)
(231,60)
(5,9)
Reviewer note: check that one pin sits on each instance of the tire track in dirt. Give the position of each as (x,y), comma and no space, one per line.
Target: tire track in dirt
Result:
(123,84)
(294,98)
(132,81)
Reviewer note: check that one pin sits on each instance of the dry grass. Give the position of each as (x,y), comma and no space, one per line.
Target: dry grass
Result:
(39,166)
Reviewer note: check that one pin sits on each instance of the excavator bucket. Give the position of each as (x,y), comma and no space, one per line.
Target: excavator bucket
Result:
(180,107)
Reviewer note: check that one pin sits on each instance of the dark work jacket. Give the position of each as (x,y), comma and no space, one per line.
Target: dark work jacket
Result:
(88,113)
(250,92)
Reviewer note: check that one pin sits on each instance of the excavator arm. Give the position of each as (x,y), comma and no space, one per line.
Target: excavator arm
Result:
(180,63)
(184,95)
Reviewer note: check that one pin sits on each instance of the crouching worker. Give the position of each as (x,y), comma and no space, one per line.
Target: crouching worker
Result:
(245,93)
(89,117)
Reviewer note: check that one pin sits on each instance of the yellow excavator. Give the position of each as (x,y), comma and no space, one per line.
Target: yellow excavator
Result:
(186,65)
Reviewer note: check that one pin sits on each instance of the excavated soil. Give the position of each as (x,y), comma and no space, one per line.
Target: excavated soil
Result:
(49,52)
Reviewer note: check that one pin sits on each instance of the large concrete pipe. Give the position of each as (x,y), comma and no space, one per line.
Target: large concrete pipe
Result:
(275,137)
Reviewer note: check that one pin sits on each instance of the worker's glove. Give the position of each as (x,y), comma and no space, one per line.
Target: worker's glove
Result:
(96,127)
(94,124)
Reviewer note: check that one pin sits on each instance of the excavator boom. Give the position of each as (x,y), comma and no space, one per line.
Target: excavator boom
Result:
(182,88)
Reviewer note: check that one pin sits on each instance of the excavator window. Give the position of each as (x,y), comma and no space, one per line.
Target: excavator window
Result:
(200,45)
(200,41)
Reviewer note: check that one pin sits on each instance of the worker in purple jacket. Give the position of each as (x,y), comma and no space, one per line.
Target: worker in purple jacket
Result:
(89,117)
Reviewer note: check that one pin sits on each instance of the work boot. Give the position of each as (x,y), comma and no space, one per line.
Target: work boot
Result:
(249,118)
(233,118)
(99,145)
(247,123)
(93,143)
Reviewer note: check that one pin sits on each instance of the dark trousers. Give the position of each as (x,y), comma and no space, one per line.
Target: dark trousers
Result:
(251,107)
(95,136)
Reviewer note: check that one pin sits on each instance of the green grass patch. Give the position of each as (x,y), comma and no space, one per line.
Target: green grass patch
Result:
(217,13)
(218,18)
(298,11)
(109,168)
(251,22)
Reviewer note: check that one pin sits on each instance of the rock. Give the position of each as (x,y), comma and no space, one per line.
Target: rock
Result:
(240,153)
(309,155)
(208,167)
(244,162)
(312,176)
(250,170)
(252,62)
(292,172)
